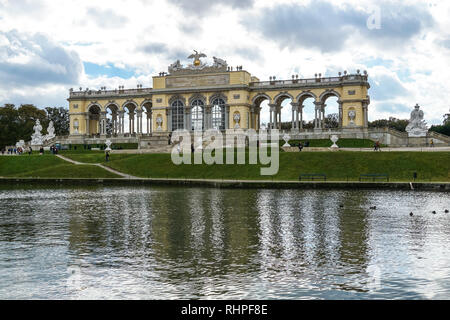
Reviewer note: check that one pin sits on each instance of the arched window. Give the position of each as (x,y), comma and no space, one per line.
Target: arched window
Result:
(177,115)
(218,114)
(197,114)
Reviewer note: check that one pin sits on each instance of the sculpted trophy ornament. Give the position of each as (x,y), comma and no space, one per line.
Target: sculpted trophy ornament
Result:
(237,118)
(417,127)
(286,139)
(334,138)
(176,66)
(159,122)
(352,116)
(108,144)
(219,63)
(198,65)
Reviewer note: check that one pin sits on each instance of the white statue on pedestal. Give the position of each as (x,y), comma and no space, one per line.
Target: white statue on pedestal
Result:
(51,131)
(36,137)
(417,127)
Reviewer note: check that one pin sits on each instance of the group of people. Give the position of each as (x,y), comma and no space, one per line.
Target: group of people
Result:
(53,150)
(15,150)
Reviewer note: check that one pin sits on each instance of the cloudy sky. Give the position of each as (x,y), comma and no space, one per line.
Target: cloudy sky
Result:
(47,46)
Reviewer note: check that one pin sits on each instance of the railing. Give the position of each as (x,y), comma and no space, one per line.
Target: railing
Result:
(303,82)
(109,92)
(440,136)
(309,81)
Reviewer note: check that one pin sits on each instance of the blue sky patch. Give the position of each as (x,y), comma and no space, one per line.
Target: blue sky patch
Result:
(109,70)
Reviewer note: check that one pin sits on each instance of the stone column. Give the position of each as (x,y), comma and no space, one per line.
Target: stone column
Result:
(139,121)
(121,122)
(365,115)
(227,117)
(87,124)
(340,114)
(273,116)
(315,115)
(169,119)
(149,121)
(301,118)
(270,122)
(102,123)
(323,115)
(188,118)
(294,116)
(207,118)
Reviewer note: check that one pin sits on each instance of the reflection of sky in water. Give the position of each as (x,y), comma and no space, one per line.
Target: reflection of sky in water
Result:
(99,242)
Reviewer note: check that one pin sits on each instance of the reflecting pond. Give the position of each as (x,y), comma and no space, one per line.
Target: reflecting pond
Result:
(188,243)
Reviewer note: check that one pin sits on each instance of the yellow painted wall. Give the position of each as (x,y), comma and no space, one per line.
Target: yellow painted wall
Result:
(240,77)
(159,82)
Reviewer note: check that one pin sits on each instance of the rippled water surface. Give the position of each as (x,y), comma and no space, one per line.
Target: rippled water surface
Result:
(172,243)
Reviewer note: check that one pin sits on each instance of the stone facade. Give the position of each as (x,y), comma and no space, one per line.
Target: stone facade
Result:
(214,97)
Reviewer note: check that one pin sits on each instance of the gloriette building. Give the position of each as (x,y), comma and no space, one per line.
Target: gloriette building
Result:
(201,96)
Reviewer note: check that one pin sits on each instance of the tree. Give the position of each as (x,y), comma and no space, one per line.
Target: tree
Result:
(444,128)
(60,118)
(397,124)
(109,126)
(332,120)
(27,116)
(9,125)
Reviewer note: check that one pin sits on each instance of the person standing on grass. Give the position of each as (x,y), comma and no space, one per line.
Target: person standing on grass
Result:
(378,146)
(107,156)
(30,150)
(431,143)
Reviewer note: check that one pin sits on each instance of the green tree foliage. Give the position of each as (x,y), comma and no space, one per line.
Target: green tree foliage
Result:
(444,128)
(9,125)
(17,123)
(397,124)
(60,118)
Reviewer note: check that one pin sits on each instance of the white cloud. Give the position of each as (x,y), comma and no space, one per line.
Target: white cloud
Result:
(408,56)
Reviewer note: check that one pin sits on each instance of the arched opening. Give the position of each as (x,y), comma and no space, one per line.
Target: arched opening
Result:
(197,114)
(218,114)
(129,118)
(306,110)
(285,116)
(262,111)
(112,119)
(147,113)
(331,115)
(177,111)
(93,120)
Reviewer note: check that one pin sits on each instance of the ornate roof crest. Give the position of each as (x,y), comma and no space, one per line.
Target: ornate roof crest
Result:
(177,68)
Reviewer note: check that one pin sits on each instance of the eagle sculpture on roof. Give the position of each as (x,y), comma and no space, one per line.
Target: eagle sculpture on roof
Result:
(197,57)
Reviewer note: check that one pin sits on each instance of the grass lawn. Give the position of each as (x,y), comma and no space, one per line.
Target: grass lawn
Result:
(48,166)
(338,166)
